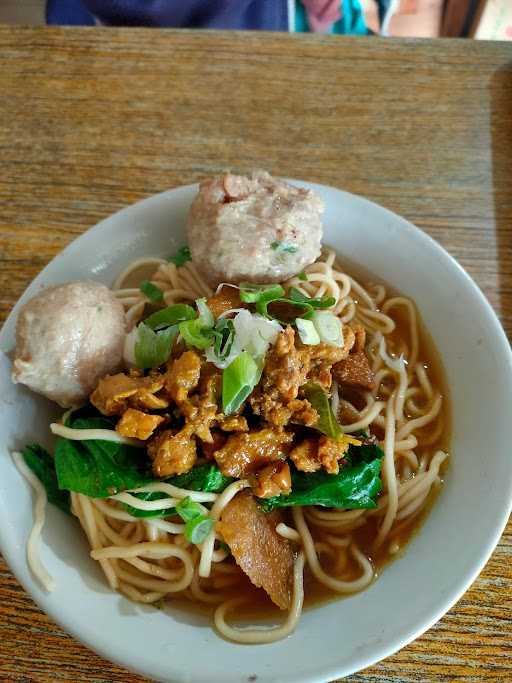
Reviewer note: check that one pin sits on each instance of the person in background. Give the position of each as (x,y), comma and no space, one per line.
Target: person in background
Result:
(321,16)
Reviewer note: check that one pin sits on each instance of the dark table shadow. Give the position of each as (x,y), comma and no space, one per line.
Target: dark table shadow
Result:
(500,96)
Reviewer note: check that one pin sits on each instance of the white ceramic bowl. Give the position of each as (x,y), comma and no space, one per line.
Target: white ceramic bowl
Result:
(412,593)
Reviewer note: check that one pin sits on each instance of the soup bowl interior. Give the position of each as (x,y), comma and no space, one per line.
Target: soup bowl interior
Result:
(345,635)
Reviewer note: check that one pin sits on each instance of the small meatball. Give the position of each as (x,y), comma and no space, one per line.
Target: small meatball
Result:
(273,480)
(172,453)
(253,228)
(354,371)
(115,393)
(245,453)
(138,425)
(67,337)
(266,557)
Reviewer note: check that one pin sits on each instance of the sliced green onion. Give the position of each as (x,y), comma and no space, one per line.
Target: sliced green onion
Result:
(298,297)
(170,316)
(284,247)
(238,381)
(224,337)
(151,291)
(205,315)
(197,529)
(252,294)
(188,509)
(181,257)
(327,422)
(152,349)
(307,332)
(328,327)
(196,334)
(303,276)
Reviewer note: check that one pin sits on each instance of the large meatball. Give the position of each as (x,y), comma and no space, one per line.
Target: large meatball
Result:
(255,228)
(67,337)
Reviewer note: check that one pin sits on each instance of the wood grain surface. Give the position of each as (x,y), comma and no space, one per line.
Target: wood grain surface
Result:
(94,119)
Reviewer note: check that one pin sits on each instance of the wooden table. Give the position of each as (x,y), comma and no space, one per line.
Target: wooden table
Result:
(92,120)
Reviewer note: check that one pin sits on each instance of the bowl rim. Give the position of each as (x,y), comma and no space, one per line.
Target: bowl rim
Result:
(381,651)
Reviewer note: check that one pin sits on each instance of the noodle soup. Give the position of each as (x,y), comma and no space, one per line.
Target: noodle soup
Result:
(243,449)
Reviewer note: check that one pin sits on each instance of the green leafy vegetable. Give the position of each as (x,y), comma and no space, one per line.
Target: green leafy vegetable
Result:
(284,247)
(181,257)
(99,468)
(327,422)
(151,291)
(170,316)
(303,276)
(264,295)
(206,477)
(238,381)
(297,297)
(148,495)
(187,509)
(260,295)
(43,466)
(197,529)
(355,486)
(153,348)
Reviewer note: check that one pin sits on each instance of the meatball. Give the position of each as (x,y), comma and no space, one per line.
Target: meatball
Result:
(253,228)
(67,337)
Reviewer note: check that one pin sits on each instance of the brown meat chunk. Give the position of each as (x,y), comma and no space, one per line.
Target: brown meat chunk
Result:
(354,371)
(322,357)
(273,480)
(218,441)
(330,452)
(360,336)
(245,453)
(285,371)
(305,455)
(266,557)
(172,453)
(138,425)
(316,452)
(182,376)
(289,365)
(233,423)
(115,393)
(227,299)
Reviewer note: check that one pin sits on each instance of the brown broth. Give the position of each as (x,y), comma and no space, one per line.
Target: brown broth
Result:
(258,604)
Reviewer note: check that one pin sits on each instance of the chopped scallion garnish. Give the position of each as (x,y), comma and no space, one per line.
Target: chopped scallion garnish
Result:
(152,349)
(284,247)
(307,332)
(188,509)
(170,316)
(181,257)
(238,381)
(151,291)
(328,327)
(197,529)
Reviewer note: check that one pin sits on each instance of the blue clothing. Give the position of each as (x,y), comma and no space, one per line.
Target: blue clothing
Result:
(269,15)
